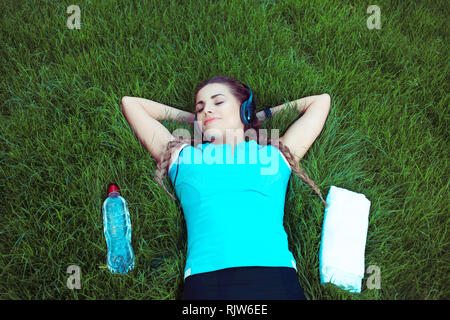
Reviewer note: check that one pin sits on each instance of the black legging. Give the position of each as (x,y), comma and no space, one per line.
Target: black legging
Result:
(249,283)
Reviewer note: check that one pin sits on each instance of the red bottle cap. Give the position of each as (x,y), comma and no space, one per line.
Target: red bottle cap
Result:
(113,188)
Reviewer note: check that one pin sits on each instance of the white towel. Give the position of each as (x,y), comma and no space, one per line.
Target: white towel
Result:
(344,234)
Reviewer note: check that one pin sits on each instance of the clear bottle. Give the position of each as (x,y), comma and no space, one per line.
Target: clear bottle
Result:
(117,230)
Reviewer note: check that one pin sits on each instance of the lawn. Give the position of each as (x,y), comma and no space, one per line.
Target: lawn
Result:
(64,138)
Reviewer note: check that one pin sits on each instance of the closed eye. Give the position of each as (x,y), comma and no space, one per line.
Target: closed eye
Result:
(202,108)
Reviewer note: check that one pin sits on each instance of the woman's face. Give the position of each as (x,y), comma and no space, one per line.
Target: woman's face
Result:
(216,101)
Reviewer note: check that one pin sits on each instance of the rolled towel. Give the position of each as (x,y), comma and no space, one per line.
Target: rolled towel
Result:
(344,235)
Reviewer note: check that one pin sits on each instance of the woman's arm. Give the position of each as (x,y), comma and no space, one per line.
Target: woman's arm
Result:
(159,111)
(304,131)
(301,104)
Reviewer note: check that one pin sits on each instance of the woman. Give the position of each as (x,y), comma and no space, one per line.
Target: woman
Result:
(237,245)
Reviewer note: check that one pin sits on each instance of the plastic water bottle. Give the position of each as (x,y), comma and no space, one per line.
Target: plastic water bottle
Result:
(117,230)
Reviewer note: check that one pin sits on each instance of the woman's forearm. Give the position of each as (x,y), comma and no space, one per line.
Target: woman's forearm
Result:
(159,111)
(301,105)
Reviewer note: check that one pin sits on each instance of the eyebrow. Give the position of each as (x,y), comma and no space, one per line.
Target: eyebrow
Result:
(212,97)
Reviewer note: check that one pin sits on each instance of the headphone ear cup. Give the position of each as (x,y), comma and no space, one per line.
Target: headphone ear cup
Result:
(251,110)
(245,117)
(248,109)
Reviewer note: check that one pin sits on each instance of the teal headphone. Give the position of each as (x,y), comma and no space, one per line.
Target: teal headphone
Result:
(247,111)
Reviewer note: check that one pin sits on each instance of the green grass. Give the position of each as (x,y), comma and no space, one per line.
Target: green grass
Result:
(64,138)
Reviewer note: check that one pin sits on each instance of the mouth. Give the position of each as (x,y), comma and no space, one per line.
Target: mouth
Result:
(209,120)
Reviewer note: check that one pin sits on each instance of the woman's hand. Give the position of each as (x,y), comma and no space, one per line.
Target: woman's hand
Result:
(159,111)
(260,116)
(301,105)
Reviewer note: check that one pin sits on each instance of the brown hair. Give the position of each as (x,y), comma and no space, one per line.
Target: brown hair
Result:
(241,93)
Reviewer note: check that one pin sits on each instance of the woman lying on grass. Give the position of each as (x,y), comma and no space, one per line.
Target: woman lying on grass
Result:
(233,207)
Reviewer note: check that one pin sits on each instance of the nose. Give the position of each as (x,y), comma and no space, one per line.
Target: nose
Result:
(208,108)
(208,111)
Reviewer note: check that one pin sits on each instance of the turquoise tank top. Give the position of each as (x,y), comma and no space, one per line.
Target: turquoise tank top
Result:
(233,205)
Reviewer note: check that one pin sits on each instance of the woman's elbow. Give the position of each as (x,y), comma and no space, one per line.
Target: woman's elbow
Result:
(327,98)
(126,102)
